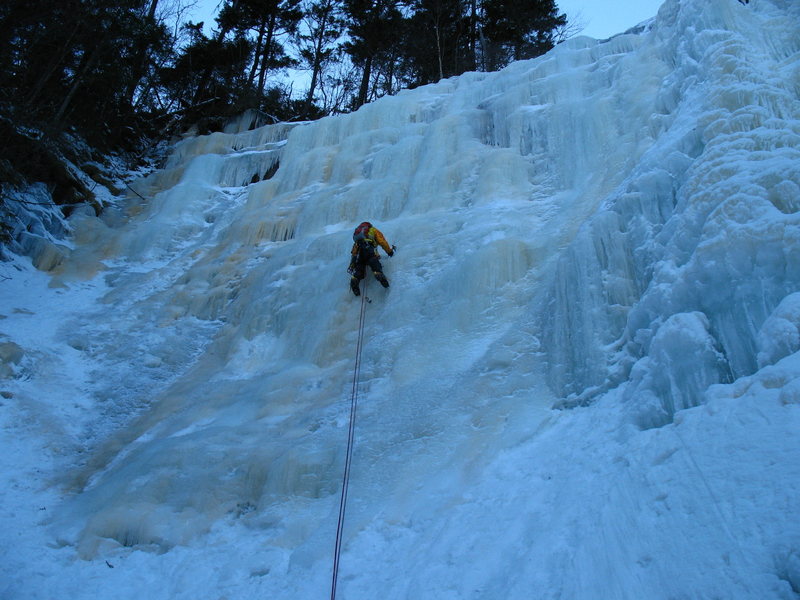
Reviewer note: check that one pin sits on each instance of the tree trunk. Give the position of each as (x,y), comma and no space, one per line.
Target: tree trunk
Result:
(141,58)
(439,51)
(364,88)
(83,72)
(317,66)
(257,53)
(51,68)
(473,35)
(484,50)
(390,76)
(206,75)
(267,54)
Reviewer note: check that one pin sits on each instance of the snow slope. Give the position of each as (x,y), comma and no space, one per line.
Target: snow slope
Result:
(584,382)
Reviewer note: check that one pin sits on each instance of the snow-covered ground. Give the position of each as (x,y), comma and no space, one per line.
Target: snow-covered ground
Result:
(583,383)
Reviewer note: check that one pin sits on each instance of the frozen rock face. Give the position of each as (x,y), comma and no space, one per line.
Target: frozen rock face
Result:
(682,362)
(705,219)
(612,222)
(779,336)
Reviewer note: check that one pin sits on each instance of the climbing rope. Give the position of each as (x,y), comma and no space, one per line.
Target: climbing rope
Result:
(350,435)
(725,525)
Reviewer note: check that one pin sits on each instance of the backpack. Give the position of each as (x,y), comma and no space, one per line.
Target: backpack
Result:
(361,231)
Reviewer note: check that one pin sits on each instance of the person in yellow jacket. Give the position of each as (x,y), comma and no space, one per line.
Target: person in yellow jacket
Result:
(366,240)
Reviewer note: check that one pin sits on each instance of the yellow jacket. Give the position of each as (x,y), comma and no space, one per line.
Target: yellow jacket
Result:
(375,238)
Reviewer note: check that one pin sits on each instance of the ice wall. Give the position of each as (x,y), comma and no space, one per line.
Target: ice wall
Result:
(615,216)
(704,222)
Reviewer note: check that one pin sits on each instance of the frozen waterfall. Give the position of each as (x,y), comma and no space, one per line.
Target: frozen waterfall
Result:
(583,383)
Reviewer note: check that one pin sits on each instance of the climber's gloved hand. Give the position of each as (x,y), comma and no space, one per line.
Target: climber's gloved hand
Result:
(394,249)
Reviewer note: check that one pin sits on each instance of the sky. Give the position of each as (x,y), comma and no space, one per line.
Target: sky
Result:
(601,18)
(604,18)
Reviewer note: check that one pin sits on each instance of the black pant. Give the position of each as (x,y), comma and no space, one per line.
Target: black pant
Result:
(359,267)
(362,262)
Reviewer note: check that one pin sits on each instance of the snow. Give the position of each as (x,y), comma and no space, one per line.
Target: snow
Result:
(584,381)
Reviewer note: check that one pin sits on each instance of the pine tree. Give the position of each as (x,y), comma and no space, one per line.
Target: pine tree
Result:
(210,72)
(317,45)
(372,27)
(273,20)
(436,44)
(77,62)
(514,30)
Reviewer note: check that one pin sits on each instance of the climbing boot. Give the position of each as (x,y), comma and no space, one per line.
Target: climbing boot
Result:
(354,286)
(382,278)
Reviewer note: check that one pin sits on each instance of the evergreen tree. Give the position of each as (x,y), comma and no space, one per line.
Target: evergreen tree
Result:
(76,62)
(322,28)
(372,27)
(273,20)
(209,74)
(514,30)
(109,63)
(436,41)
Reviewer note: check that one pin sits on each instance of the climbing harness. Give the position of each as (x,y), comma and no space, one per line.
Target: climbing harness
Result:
(350,435)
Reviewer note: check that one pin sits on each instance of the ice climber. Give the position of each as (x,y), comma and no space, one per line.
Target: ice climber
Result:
(366,240)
